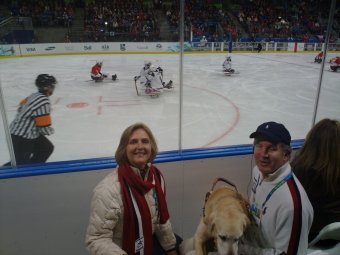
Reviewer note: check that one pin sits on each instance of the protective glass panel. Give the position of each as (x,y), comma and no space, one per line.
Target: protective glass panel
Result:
(250,67)
(327,103)
(4,152)
(232,76)
(88,117)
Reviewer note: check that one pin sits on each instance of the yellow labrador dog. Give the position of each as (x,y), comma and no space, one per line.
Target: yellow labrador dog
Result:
(225,219)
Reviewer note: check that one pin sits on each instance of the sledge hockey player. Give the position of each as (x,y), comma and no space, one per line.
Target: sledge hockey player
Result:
(96,73)
(318,58)
(335,64)
(259,47)
(332,60)
(227,66)
(151,78)
(203,41)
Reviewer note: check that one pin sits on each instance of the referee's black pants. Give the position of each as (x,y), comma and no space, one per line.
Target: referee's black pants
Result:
(29,151)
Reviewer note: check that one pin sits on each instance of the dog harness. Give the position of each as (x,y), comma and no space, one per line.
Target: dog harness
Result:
(212,189)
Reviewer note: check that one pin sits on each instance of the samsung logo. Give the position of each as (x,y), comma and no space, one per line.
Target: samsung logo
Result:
(158,45)
(30,49)
(50,48)
(89,47)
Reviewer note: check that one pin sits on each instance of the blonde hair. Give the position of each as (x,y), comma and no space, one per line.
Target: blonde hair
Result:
(321,153)
(120,154)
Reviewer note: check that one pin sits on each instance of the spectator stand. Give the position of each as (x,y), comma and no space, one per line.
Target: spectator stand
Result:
(286,21)
(120,21)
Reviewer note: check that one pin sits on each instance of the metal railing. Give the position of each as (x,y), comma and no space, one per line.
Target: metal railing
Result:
(15,23)
(267,46)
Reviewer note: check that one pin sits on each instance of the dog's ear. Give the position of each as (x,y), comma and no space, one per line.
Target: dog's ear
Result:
(208,219)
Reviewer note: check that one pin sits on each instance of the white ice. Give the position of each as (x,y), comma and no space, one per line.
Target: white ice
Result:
(218,110)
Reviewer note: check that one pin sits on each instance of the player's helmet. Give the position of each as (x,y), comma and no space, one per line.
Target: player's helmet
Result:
(228,59)
(100,63)
(153,68)
(44,82)
(147,63)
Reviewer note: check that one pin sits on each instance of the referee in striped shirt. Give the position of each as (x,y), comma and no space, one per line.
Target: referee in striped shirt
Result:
(32,123)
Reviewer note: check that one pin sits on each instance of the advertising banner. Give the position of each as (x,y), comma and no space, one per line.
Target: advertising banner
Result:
(9,50)
(104,47)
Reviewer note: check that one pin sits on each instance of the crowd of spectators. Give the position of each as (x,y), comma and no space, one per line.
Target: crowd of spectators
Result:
(45,13)
(290,20)
(203,18)
(137,20)
(120,20)
(230,29)
(262,20)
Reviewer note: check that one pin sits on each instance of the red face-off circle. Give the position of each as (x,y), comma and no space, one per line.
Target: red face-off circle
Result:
(77,105)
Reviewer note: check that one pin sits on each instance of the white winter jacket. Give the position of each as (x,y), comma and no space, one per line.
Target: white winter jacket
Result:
(105,230)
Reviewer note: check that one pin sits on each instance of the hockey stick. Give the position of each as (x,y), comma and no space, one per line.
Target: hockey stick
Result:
(164,85)
(161,78)
(136,78)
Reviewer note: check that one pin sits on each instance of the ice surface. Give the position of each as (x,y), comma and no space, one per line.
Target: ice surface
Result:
(218,110)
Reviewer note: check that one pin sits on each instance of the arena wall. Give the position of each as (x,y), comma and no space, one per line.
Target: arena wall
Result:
(45,210)
(25,50)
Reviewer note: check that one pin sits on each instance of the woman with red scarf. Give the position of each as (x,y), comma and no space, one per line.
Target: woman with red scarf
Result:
(129,214)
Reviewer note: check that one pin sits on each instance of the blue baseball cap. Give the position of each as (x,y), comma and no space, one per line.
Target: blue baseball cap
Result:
(275,132)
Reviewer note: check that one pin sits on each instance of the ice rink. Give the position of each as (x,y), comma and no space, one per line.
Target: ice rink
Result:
(218,110)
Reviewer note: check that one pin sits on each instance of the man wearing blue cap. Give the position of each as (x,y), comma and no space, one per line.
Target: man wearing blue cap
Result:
(278,202)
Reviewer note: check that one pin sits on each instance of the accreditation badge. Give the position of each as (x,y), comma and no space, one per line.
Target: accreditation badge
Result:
(139,244)
(256,212)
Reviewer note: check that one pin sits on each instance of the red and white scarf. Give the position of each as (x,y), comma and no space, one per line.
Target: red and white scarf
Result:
(137,225)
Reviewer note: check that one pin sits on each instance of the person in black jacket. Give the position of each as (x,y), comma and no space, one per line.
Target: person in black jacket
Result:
(317,166)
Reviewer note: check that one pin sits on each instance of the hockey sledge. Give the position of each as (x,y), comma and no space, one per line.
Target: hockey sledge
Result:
(148,91)
(151,92)
(332,71)
(230,73)
(158,86)
(106,79)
